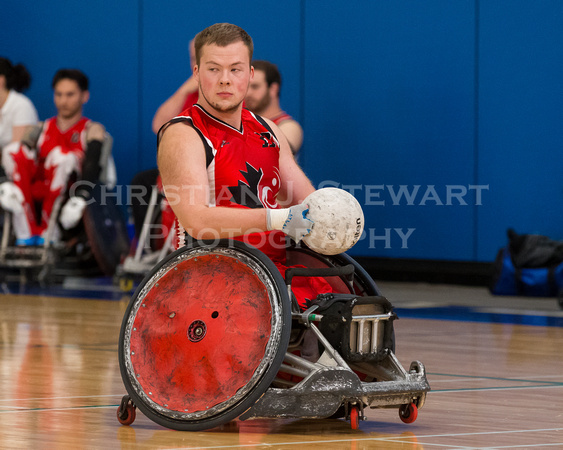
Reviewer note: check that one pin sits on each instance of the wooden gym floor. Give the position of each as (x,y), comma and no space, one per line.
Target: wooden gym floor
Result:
(495,366)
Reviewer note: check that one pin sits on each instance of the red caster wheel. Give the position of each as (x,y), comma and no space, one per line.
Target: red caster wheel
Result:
(408,412)
(355,417)
(126,411)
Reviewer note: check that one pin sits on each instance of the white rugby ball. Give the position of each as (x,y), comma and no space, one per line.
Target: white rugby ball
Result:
(338,221)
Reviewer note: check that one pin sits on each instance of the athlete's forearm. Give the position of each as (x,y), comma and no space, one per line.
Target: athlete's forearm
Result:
(203,222)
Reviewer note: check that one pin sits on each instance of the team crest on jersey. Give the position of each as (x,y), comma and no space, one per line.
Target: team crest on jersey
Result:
(246,193)
(268,139)
(75,137)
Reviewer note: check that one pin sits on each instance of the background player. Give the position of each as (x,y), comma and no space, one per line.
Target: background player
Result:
(40,167)
(263,98)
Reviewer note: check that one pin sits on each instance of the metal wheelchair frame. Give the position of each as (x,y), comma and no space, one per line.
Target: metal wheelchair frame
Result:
(296,387)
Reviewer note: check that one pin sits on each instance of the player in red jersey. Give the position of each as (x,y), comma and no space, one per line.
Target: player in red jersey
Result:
(263,98)
(227,172)
(39,168)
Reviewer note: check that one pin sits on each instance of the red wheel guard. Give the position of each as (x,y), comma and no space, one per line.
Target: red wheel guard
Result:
(200,333)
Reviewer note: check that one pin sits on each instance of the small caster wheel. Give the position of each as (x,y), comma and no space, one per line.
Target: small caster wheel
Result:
(408,412)
(125,284)
(355,417)
(126,411)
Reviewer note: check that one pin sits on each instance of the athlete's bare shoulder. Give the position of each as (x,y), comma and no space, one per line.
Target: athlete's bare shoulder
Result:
(95,131)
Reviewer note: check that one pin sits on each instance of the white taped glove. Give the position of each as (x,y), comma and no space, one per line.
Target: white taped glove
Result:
(72,212)
(292,221)
(11,197)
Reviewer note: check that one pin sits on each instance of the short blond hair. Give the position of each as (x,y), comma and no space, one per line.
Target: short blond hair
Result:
(222,34)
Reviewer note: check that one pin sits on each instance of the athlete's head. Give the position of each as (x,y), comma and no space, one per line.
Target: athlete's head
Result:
(265,86)
(222,35)
(70,92)
(13,77)
(223,70)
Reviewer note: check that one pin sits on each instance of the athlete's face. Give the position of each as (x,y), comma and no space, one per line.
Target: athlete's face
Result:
(223,75)
(69,98)
(258,96)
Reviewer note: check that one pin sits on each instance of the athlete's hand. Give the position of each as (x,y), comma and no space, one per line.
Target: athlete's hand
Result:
(72,212)
(292,221)
(11,197)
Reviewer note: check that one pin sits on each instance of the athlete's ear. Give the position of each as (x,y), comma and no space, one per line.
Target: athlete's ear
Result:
(251,73)
(195,72)
(274,90)
(85,97)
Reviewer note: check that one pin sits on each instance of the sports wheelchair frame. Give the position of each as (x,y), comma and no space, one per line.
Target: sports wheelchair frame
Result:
(213,334)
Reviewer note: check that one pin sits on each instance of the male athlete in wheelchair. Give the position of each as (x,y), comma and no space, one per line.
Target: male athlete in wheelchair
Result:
(56,193)
(236,323)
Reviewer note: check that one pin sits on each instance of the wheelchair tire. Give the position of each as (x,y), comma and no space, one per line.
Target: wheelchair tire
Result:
(106,231)
(362,284)
(204,335)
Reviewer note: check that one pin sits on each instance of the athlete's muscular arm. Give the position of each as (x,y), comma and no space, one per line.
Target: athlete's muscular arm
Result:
(182,165)
(293,132)
(74,208)
(173,105)
(18,132)
(31,134)
(91,168)
(95,131)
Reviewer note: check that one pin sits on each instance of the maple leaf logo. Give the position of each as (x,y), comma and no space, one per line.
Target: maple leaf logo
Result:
(246,194)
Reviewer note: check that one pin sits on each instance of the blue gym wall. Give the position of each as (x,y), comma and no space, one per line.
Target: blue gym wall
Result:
(445,117)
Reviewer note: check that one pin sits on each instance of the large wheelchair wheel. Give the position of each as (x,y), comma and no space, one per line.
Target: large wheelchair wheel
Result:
(204,335)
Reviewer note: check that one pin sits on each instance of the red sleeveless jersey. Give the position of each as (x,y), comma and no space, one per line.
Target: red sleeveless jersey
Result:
(71,140)
(243,171)
(191,99)
(282,116)
(242,167)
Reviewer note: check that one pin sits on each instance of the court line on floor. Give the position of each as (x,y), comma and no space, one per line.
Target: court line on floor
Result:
(434,391)
(401,439)
(58,398)
(500,388)
(477,377)
(535,383)
(68,408)
(525,380)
